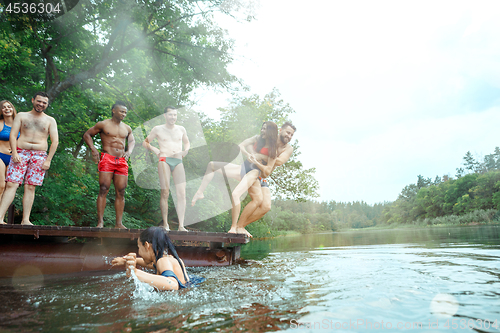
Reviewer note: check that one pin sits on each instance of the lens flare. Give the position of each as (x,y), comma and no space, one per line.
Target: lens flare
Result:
(444,305)
(27,277)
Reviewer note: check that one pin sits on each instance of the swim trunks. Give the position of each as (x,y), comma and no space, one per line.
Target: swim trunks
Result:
(30,166)
(5,158)
(263,182)
(116,165)
(246,167)
(171,161)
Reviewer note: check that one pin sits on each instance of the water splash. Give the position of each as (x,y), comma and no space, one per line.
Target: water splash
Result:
(144,291)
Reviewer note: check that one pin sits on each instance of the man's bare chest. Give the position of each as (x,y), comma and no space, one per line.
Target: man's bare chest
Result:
(35,125)
(172,136)
(117,132)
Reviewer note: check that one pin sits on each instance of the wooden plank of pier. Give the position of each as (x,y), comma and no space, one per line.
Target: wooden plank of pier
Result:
(92,232)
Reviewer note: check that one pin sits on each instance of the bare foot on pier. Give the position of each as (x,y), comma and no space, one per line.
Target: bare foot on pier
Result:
(120,225)
(26,223)
(182,229)
(232,231)
(244,231)
(165,226)
(2,222)
(196,197)
(100,225)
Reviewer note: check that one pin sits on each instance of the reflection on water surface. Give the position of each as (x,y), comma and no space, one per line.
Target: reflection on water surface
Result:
(303,283)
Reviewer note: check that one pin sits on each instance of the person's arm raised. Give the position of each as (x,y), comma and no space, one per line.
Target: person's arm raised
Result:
(121,261)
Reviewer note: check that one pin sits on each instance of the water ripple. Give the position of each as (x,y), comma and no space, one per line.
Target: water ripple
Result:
(416,285)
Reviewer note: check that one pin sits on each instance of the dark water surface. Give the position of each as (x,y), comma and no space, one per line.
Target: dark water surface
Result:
(425,280)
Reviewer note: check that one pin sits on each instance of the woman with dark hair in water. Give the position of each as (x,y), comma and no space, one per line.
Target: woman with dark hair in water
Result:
(156,251)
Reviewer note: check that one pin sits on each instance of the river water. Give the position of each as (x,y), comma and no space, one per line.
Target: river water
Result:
(425,280)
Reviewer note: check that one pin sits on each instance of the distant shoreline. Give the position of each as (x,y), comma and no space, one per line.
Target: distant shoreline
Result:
(421,226)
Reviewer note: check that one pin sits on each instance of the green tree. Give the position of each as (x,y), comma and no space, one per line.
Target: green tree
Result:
(470,163)
(147,53)
(122,45)
(478,190)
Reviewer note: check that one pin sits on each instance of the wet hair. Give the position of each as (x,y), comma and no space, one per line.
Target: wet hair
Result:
(14,113)
(121,103)
(161,243)
(271,138)
(40,93)
(287,123)
(169,108)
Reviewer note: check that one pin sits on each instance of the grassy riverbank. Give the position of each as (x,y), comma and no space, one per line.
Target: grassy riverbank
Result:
(478,217)
(261,230)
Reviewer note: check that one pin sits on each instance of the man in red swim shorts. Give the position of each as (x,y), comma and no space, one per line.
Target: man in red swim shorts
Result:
(29,154)
(112,162)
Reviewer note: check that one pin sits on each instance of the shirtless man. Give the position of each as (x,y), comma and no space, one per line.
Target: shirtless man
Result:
(112,164)
(259,191)
(29,154)
(171,138)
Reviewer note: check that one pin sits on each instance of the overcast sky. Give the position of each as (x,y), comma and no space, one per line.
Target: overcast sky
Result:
(383,90)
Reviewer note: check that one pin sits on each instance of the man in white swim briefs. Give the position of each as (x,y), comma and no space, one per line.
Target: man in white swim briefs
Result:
(171,139)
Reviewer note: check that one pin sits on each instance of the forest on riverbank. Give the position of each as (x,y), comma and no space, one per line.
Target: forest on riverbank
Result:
(150,55)
(473,195)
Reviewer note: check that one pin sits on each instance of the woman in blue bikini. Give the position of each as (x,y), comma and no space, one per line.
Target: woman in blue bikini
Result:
(156,251)
(7,115)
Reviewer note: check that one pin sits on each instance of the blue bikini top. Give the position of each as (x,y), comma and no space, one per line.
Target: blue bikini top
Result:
(169,273)
(5,133)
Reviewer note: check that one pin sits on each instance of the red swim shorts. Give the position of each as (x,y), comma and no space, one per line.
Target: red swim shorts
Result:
(116,165)
(30,166)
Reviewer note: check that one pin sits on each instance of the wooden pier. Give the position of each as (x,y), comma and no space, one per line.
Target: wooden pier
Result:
(90,232)
(38,249)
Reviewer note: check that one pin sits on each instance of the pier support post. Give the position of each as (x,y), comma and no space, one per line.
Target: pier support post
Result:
(236,253)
